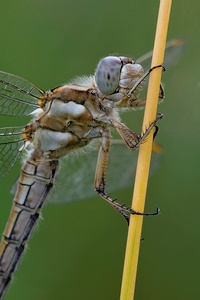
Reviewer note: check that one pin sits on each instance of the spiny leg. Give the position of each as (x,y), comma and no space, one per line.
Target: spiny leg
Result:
(153,124)
(130,100)
(132,140)
(141,80)
(100,175)
(143,77)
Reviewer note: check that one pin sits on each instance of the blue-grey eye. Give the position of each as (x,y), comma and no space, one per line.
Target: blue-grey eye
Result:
(107,74)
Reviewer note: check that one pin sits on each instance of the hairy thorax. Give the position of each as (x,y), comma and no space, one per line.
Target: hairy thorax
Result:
(73,116)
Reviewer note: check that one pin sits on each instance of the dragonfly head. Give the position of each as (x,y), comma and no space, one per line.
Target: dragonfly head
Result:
(115,72)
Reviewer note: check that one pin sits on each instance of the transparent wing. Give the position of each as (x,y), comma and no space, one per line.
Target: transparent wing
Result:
(18,97)
(173,51)
(76,176)
(10,142)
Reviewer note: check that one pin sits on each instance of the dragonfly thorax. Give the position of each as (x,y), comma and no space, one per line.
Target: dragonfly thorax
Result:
(72,118)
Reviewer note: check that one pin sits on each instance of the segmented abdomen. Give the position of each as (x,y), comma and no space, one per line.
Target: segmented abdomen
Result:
(36,180)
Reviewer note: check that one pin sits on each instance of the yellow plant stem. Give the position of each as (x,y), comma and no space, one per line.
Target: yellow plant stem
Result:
(142,172)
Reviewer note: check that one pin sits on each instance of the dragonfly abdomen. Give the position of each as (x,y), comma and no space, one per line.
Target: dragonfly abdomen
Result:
(35,182)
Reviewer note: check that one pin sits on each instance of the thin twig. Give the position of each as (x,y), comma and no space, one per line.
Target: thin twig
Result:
(142,172)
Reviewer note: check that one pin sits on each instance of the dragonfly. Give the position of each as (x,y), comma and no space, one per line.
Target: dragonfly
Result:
(67,119)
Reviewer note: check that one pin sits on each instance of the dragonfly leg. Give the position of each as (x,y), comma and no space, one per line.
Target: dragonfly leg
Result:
(100,180)
(131,139)
(130,100)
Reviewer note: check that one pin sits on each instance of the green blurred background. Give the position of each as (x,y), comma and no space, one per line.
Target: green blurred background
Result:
(77,252)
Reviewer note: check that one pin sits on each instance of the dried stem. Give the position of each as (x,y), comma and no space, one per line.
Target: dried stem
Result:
(142,172)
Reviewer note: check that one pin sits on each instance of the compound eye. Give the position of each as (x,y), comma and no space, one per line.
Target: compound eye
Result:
(107,74)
